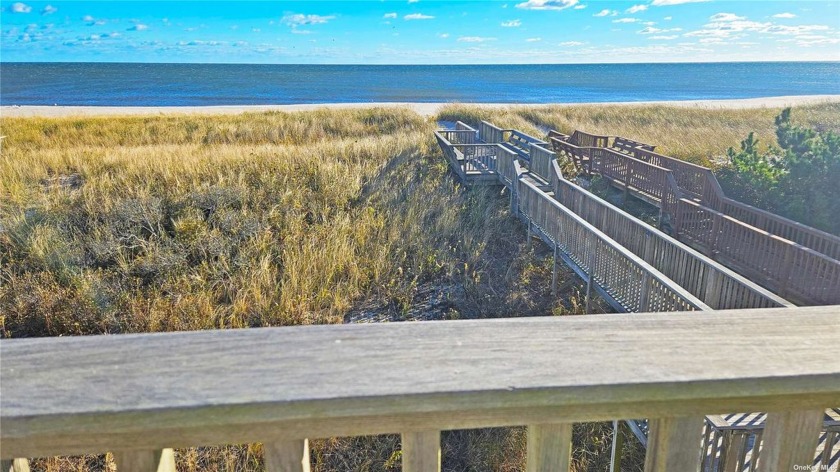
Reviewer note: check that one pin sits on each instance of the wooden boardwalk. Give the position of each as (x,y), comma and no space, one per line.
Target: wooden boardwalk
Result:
(793,260)
(633,265)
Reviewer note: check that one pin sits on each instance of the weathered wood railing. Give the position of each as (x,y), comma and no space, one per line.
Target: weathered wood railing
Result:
(689,195)
(710,281)
(699,182)
(137,395)
(623,278)
(790,269)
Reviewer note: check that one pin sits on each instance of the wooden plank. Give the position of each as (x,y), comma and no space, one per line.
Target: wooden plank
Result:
(549,447)
(421,451)
(790,439)
(287,456)
(81,394)
(161,460)
(674,444)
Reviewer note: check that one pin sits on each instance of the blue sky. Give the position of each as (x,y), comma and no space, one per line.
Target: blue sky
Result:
(420,32)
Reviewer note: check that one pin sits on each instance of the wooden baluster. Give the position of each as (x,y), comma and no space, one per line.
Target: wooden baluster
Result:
(287,456)
(549,447)
(421,451)
(161,460)
(790,439)
(14,465)
(674,444)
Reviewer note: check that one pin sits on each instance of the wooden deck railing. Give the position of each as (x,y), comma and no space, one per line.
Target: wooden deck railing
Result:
(691,197)
(710,281)
(623,278)
(139,395)
(790,269)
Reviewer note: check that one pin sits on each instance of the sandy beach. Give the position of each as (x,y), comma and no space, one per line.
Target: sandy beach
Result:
(425,109)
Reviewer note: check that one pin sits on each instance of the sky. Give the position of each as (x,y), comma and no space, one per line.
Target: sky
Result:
(419,31)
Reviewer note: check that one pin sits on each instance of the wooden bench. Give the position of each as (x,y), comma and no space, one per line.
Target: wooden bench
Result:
(628,146)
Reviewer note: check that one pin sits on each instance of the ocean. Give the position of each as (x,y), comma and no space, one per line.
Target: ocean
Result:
(134,84)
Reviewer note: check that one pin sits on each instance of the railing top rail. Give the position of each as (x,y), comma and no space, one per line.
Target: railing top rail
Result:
(674,159)
(787,221)
(211,387)
(763,232)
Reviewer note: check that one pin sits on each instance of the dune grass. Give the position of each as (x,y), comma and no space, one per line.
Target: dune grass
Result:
(115,225)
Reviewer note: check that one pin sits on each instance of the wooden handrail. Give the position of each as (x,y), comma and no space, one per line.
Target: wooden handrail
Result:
(147,392)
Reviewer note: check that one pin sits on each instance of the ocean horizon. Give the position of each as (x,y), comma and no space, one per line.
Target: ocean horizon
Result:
(174,84)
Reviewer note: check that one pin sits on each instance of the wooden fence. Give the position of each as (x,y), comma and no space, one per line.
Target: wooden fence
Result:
(138,395)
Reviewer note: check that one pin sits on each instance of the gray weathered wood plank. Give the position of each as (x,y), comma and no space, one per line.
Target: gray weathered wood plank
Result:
(93,394)
(287,456)
(421,451)
(790,439)
(549,447)
(674,444)
(162,460)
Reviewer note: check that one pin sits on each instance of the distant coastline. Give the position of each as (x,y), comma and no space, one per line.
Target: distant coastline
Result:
(425,109)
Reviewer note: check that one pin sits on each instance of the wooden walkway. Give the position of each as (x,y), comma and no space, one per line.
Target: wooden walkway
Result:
(793,260)
(633,265)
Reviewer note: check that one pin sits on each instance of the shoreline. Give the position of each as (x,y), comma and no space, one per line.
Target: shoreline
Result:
(424,109)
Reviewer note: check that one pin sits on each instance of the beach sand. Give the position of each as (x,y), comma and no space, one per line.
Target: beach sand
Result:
(425,109)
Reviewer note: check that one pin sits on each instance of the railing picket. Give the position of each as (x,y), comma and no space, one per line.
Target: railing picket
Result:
(14,465)
(549,447)
(790,439)
(421,451)
(674,444)
(287,456)
(161,460)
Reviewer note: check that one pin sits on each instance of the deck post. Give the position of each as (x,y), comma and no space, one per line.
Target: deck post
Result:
(790,439)
(161,460)
(287,456)
(673,444)
(549,447)
(421,451)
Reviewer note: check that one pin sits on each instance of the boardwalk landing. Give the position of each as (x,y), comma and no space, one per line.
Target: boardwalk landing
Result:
(637,267)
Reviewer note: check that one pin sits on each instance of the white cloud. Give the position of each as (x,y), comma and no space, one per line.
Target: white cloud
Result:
(652,30)
(664,37)
(606,12)
(389,15)
(668,18)
(580,7)
(571,43)
(784,15)
(49,10)
(418,16)
(299,19)
(139,27)
(474,39)
(88,18)
(726,17)
(20,8)
(533,40)
(664,3)
(443,35)
(413,1)
(626,20)
(637,8)
(512,24)
(547,4)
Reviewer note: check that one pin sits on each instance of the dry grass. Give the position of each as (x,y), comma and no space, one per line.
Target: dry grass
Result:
(113,225)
